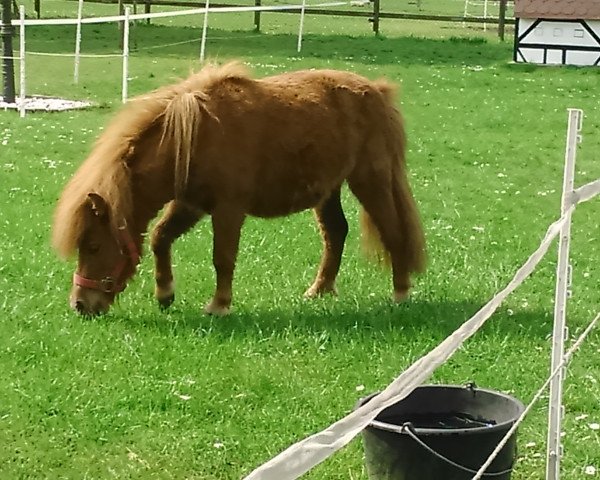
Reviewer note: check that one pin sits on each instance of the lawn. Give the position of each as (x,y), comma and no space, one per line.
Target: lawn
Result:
(141,393)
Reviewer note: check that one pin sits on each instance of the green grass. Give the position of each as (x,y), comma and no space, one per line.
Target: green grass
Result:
(144,394)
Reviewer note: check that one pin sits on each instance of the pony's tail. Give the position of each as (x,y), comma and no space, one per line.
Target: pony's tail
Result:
(370,240)
(414,237)
(404,202)
(182,119)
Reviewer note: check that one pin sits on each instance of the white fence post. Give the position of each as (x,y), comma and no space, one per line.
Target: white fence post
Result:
(22,61)
(78,42)
(204,31)
(485,14)
(301,29)
(555,414)
(125,53)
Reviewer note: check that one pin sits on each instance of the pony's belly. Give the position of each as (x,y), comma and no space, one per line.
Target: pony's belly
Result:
(277,202)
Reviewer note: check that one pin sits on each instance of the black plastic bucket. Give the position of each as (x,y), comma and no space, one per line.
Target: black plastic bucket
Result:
(442,432)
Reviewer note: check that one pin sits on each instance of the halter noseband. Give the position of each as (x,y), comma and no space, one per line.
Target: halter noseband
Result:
(113,283)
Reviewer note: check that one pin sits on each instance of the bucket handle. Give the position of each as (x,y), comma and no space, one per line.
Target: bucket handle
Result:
(409,429)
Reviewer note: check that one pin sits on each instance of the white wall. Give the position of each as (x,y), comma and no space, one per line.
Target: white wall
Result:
(556,36)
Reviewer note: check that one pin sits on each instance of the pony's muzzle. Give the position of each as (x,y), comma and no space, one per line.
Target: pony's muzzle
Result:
(79,306)
(89,302)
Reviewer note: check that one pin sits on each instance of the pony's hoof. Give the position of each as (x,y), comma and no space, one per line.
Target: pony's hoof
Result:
(400,296)
(166,302)
(165,295)
(318,291)
(213,308)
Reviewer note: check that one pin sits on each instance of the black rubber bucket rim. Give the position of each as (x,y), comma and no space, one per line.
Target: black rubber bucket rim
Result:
(380,425)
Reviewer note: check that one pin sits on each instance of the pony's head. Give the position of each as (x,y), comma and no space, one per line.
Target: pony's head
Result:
(92,215)
(90,222)
(107,258)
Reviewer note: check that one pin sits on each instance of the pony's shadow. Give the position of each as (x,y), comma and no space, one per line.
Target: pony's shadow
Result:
(436,319)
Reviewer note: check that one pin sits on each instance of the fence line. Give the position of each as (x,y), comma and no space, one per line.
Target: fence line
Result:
(204,31)
(563,283)
(22,61)
(125,83)
(78,41)
(304,455)
(301,28)
(585,193)
(81,55)
(178,13)
(536,397)
(484,4)
(126,18)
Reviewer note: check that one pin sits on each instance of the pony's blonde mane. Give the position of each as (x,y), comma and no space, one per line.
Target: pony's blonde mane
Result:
(106,171)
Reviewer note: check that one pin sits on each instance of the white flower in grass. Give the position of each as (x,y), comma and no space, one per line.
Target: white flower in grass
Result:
(360,388)
(583,416)
(590,470)
(218,445)
(594,426)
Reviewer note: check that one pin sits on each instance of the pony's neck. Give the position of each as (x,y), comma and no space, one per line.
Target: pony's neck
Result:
(151,188)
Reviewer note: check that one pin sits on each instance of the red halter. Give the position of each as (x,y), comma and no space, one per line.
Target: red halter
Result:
(113,283)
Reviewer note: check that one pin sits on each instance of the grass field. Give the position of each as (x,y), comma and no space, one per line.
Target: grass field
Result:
(141,393)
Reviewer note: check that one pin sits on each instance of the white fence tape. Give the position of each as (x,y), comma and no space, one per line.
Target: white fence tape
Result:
(585,193)
(304,455)
(176,13)
(81,55)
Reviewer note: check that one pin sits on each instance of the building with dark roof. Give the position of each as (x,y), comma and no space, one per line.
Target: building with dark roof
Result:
(557,32)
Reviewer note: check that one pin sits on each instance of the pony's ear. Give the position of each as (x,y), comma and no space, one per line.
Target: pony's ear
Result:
(129,155)
(97,205)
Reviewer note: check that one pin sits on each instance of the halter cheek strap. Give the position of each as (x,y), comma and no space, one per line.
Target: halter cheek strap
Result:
(114,283)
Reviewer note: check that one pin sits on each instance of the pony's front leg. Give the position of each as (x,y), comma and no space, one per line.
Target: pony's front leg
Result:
(227,226)
(177,219)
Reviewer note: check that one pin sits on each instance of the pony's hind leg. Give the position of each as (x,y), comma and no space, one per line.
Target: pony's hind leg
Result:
(384,221)
(177,219)
(334,229)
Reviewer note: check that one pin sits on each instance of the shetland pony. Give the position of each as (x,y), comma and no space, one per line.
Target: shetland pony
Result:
(223,144)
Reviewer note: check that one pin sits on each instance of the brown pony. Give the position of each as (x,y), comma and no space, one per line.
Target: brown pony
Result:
(224,144)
